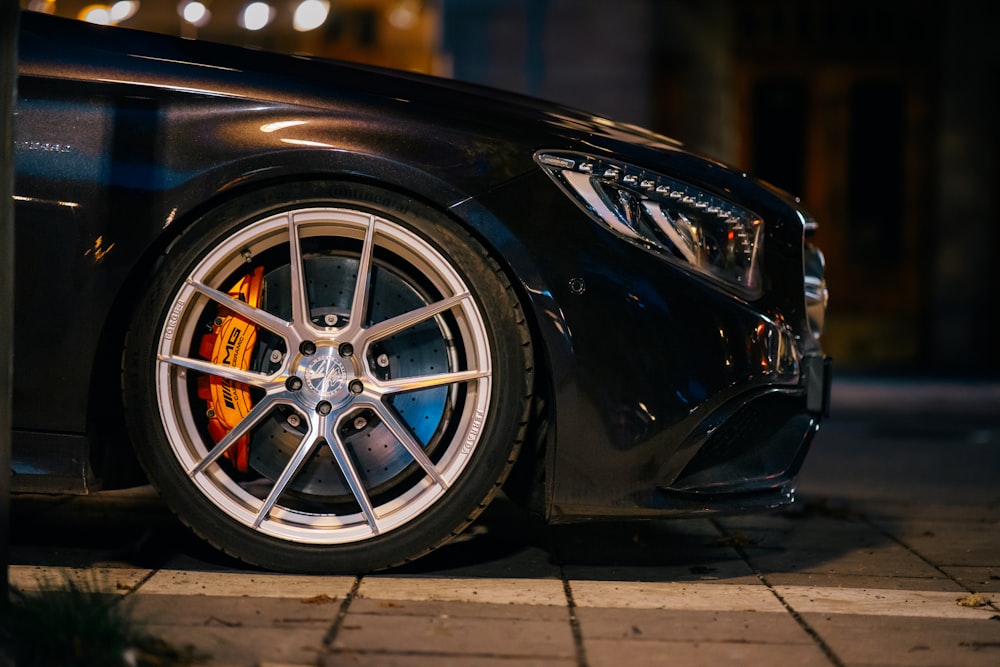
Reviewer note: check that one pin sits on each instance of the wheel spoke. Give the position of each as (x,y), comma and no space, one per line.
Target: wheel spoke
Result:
(297,280)
(305,449)
(351,474)
(399,385)
(259,317)
(258,412)
(359,302)
(409,443)
(252,378)
(399,323)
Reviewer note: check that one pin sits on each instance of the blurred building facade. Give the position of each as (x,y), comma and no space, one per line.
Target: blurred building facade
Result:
(879,114)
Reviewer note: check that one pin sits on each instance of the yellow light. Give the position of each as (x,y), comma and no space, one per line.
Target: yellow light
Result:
(43,6)
(123,10)
(195,13)
(256,15)
(99,14)
(310,14)
(404,14)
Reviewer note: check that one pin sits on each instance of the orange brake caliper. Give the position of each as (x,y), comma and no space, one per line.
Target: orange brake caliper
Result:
(231,343)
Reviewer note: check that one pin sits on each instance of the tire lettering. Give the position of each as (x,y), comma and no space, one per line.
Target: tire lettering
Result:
(477,425)
(175,314)
(402,207)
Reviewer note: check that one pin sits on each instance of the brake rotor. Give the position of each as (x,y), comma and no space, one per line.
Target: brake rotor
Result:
(420,350)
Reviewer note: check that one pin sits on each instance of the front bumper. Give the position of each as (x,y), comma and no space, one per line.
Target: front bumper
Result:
(745,456)
(756,443)
(668,394)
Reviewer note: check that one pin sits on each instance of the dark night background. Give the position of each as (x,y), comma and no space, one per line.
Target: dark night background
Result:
(879,114)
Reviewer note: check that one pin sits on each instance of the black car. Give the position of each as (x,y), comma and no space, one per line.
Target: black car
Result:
(333,309)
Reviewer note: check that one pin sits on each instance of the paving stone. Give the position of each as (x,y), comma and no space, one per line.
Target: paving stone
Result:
(505,541)
(503,562)
(882,602)
(814,518)
(735,571)
(459,609)
(674,595)
(836,580)
(674,543)
(613,653)
(236,612)
(112,580)
(983,511)
(888,640)
(259,584)
(246,646)
(950,542)
(890,560)
(489,591)
(978,579)
(448,635)
(383,659)
(689,626)
(827,536)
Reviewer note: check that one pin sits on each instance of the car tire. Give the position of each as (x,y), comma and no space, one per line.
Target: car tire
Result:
(302,419)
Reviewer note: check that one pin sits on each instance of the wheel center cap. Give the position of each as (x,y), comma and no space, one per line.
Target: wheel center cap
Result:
(325,376)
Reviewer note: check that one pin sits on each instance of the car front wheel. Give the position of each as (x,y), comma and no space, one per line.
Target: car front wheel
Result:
(327,378)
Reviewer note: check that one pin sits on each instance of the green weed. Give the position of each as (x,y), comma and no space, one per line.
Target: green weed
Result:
(73,624)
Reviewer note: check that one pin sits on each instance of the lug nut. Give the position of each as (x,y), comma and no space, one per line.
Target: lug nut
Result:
(346,350)
(324,408)
(356,387)
(307,348)
(293,383)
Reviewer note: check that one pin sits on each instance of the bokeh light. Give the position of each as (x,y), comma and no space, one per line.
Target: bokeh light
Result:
(310,14)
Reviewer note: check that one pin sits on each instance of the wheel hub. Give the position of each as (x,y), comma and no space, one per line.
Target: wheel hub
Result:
(326,376)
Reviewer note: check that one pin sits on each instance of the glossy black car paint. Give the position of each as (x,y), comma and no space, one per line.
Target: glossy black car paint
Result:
(663,391)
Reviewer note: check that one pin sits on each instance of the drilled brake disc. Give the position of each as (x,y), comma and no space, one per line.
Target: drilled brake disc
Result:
(421,350)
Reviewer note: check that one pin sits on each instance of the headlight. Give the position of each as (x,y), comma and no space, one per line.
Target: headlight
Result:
(663,215)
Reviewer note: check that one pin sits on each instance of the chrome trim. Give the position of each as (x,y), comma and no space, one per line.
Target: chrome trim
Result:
(816,293)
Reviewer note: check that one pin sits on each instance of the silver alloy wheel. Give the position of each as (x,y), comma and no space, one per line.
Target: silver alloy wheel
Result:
(328,376)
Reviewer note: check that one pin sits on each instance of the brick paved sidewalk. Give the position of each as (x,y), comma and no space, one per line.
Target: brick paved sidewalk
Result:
(899,520)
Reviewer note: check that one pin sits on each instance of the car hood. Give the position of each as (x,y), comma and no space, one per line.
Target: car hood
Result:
(65,48)
(486,100)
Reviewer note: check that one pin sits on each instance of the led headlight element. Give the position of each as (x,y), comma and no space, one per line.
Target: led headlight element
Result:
(665,216)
